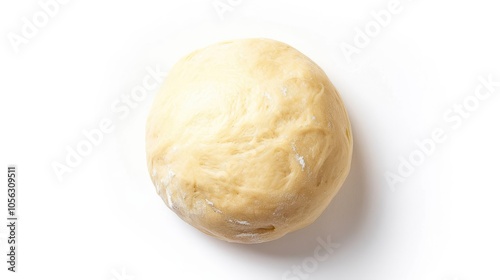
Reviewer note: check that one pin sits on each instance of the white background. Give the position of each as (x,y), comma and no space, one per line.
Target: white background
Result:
(104,219)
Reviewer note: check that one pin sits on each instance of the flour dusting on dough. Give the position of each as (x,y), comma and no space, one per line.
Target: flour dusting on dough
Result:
(211,204)
(247,235)
(299,158)
(169,198)
(301,161)
(239,222)
(166,181)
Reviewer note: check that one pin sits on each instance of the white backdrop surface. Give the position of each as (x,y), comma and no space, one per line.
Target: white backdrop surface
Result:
(421,82)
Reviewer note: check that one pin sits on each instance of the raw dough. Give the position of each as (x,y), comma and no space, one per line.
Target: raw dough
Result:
(248,140)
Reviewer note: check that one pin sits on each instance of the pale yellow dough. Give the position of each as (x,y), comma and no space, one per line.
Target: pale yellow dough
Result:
(248,140)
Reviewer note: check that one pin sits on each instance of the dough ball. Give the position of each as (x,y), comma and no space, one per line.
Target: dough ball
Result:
(248,140)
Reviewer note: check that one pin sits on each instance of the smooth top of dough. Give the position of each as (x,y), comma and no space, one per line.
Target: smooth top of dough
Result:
(248,140)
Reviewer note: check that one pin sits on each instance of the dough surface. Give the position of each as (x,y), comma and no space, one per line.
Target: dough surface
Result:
(248,140)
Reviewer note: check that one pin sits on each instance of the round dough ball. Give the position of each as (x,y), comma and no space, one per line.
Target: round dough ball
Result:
(248,140)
